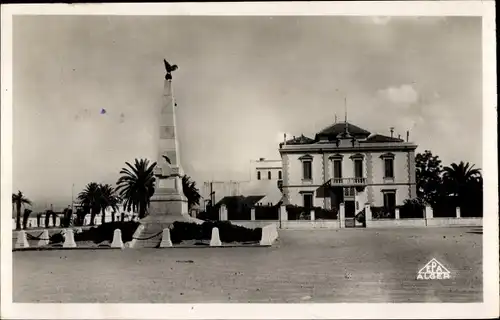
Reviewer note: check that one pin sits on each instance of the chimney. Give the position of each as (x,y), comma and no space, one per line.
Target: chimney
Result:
(399,136)
(407,135)
(262,159)
(284,138)
(392,131)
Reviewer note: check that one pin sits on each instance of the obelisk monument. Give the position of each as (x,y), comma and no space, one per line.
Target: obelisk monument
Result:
(168,203)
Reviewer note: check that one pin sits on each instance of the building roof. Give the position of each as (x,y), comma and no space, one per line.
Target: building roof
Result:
(337,131)
(300,140)
(381,138)
(338,128)
(235,201)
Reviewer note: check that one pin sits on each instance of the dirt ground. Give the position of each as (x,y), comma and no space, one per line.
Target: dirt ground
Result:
(347,265)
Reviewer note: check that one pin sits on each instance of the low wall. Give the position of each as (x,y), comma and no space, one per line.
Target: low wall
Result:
(378,223)
(290,224)
(393,223)
(434,222)
(443,222)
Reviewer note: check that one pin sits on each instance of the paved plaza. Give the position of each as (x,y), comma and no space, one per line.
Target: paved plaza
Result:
(347,265)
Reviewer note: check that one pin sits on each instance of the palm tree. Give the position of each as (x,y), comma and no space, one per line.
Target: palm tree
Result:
(108,198)
(136,186)
(18,199)
(461,181)
(89,198)
(26,215)
(190,191)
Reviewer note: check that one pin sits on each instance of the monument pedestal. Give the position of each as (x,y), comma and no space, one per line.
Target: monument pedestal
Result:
(167,206)
(168,203)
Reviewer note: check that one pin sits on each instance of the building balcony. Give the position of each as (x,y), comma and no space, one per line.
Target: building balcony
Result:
(339,182)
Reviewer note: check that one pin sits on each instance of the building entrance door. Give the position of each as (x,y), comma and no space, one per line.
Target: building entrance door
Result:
(350,210)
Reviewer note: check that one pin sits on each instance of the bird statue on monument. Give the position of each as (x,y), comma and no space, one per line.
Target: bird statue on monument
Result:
(167,159)
(169,68)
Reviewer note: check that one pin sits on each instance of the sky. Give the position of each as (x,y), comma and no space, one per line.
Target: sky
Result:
(242,82)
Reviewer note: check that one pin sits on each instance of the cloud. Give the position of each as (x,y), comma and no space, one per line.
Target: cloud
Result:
(403,95)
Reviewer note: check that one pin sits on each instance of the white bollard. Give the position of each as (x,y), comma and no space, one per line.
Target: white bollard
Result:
(44,238)
(459,214)
(396,214)
(215,241)
(117,239)
(69,239)
(21,241)
(313,215)
(269,235)
(252,214)
(165,239)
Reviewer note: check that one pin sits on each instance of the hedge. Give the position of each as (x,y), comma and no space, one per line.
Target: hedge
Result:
(180,231)
(103,232)
(227,232)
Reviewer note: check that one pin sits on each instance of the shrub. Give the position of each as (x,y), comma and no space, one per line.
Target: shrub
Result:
(266,212)
(295,212)
(105,232)
(325,214)
(381,213)
(56,238)
(227,232)
(412,208)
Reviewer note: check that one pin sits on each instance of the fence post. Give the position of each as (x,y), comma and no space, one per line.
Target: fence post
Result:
(342,215)
(313,215)
(429,214)
(396,213)
(252,214)
(368,215)
(283,213)
(223,213)
(459,215)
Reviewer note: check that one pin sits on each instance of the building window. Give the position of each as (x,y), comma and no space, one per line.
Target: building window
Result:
(389,168)
(258,175)
(390,201)
(269,175)
(308,200)
(306,167)
(279,175)
(307,170)
(337,169)
(358,168)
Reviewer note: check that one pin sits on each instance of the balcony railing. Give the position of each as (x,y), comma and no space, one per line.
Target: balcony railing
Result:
(348,181)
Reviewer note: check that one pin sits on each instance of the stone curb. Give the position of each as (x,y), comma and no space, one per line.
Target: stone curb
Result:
(173,247)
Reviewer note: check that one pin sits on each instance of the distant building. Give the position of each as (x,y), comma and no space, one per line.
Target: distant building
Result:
(263,183)
(347,164)
(264,169)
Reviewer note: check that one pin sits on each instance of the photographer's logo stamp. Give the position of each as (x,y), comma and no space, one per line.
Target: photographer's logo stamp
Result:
(433,270)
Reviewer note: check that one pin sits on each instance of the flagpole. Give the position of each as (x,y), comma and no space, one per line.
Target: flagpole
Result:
(72,197)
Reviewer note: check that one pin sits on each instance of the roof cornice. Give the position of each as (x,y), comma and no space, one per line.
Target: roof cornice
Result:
(301,148)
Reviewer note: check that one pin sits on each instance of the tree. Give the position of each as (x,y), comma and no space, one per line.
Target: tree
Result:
(463,183)
(428,177)
(136,186)
(18,200)
(108,198)
(26,215)
(80,215)
(190,191)
(90,198)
